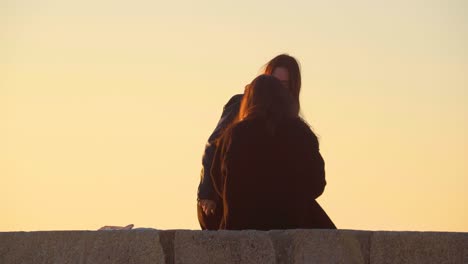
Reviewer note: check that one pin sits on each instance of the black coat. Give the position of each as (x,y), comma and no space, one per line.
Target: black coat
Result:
(270,180)
(230,111)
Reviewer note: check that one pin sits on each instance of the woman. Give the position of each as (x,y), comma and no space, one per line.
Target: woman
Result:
(267,168)
(209,206)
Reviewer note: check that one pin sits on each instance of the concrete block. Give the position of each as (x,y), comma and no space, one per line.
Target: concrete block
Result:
(223,247)
(419,247)
(321,246)
(81,247)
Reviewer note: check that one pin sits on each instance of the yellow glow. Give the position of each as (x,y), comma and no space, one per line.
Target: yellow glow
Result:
(105,107)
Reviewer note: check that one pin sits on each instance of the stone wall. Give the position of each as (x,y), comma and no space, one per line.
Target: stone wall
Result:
(185,246)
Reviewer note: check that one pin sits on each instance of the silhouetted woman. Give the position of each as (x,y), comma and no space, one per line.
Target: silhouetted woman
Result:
(267,168)
(209,205)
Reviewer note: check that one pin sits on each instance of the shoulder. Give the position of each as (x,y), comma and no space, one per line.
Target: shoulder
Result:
(296,124)
(235,100)
(247,129)
(302,130)
(241,127)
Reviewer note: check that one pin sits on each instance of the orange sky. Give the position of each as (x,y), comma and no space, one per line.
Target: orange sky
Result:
(105,106)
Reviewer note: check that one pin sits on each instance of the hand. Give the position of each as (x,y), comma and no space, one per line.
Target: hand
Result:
(208,206)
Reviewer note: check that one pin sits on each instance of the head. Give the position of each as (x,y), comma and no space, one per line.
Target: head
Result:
(266,97)
(286,69)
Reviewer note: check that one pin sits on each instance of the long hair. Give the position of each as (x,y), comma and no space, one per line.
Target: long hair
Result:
(267,98)
(292,65)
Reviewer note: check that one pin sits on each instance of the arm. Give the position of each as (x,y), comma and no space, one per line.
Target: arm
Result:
(318,167)
(310,163)
(205,188)
(319,172)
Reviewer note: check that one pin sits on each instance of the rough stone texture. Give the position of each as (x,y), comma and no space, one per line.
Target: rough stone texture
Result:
(419,247)
(81,247)
(321,246)
(278,246)
(223,247)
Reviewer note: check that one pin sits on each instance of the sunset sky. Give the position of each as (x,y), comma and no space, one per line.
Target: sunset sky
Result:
(105,106)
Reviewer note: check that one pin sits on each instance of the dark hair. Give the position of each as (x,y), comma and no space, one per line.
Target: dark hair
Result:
(266,100)
(292,65)
(266,97)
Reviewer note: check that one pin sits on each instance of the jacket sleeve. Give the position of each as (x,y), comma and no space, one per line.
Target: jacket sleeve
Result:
(205,188)
(311,164)
(319,171)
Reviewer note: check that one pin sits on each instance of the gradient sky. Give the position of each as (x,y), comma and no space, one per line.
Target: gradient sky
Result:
(105,106)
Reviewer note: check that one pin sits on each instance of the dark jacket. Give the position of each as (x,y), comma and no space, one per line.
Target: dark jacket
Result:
(269,181)
(230,111)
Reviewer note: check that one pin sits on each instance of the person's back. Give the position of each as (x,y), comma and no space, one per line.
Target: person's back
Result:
(267,168)
(271,178)
(209,207)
